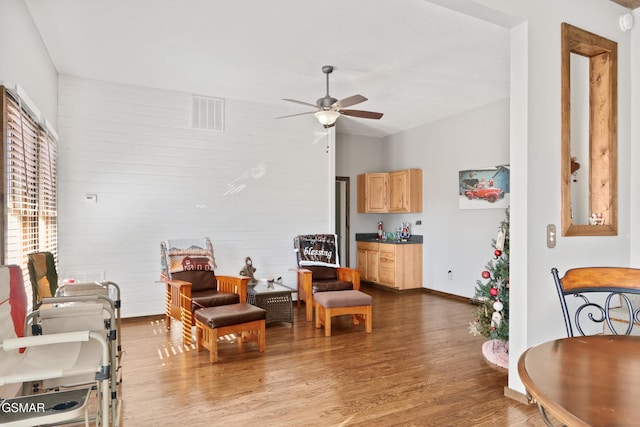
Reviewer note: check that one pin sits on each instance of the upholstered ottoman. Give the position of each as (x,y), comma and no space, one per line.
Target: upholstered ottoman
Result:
(215,322)
(337,303)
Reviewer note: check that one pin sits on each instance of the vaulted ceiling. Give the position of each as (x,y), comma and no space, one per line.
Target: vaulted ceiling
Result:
(414,60)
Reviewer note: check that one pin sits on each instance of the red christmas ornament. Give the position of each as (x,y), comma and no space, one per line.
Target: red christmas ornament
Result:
(493,292)
(497,253)
(486,274)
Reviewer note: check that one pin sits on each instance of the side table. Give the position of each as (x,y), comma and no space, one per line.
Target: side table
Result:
(275,298)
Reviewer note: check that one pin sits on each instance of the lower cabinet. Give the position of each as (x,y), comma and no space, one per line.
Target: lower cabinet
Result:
(368,261)
(395,265)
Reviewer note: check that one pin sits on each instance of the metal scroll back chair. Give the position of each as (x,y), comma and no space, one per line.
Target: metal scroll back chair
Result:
(599,300)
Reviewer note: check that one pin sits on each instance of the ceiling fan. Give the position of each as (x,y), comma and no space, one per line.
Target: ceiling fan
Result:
(328,109)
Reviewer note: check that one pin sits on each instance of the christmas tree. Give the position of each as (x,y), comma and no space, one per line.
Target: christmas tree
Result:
(492,292)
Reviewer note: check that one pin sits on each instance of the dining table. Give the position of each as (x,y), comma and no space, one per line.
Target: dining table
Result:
(585,380)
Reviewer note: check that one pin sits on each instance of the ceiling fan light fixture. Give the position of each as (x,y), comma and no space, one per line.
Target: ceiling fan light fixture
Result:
(327,117)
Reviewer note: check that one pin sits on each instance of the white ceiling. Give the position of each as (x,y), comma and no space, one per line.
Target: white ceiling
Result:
(415,61)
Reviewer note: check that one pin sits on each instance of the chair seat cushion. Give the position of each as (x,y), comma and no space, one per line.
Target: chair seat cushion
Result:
(330,285)
(343,299)
(232,314)
(212,298)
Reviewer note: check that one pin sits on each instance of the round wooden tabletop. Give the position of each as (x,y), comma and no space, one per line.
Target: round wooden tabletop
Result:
(586,381)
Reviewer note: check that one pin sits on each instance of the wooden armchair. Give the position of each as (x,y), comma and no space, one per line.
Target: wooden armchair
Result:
(184,297)
(319,269)
(312,279)
(599,300)
(191,283)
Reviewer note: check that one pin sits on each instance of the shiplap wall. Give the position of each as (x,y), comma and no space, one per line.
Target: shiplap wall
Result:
(250,188)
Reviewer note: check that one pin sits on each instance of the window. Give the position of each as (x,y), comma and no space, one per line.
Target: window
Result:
(29,185)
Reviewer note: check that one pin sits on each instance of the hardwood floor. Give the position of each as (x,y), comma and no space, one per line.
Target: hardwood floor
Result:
(419,367)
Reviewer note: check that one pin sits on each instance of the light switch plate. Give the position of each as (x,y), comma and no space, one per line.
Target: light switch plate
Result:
(551,236)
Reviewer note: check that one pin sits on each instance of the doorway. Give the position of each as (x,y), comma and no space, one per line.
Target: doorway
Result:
(342,218)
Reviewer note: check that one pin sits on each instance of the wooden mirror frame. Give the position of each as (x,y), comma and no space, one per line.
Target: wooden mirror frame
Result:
(603,130)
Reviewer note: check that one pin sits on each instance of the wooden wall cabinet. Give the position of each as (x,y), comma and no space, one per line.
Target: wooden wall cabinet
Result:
(399,191)
(373,192)
(398,266)
(405,191)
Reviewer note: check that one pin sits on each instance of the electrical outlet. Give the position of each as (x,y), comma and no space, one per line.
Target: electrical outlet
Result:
(450,275)
(419,222)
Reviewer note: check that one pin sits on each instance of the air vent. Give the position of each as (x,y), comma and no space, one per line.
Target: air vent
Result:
(207,113)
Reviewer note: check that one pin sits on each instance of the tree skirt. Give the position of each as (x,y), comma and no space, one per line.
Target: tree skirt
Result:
(496,352)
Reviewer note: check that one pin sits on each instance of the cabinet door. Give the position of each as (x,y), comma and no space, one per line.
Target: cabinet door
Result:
(376,192)
(405,191)
(387,265)
(372,193)
(361,260)
(398,195)
(372,266)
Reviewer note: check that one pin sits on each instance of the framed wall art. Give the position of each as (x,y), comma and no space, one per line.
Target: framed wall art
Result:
(484,188)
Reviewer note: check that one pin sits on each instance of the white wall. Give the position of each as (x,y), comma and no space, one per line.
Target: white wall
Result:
(356,155)
(537,317)
(25,60)
(156,178)
(454,239)
(635,141)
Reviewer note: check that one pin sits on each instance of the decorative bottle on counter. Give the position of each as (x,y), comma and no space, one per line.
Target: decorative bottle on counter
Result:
(380,227)
(406,231)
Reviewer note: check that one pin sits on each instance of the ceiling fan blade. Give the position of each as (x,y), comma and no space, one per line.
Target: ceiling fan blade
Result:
(293,115)
(300,102)
(348,102)
(362,114)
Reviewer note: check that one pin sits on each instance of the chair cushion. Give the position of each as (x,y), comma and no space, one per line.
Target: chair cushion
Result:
(322,273)
(201,280)
(330,285)
(232,314)
(343,299)
(212,298)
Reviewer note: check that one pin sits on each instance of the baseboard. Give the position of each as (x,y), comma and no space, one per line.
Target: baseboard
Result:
(516,395)
(448,295)
(150,318)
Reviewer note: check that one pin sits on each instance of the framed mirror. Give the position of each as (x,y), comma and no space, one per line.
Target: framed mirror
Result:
(589,134)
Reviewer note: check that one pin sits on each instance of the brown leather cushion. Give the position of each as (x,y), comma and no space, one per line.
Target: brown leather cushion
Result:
(212,298)
(319,272)
(343,299)
(233,314)
(330,285)
(201,280)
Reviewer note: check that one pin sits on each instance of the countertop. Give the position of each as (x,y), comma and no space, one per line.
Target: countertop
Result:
(373,238)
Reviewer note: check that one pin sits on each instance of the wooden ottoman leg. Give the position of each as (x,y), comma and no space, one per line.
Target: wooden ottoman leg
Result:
(262,337)
(319,309)
(327,322)
(369,320)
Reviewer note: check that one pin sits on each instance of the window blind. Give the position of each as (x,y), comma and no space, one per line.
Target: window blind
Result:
(30,173)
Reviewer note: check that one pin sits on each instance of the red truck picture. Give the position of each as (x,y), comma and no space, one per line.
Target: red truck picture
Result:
(195,263)
(484,190)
